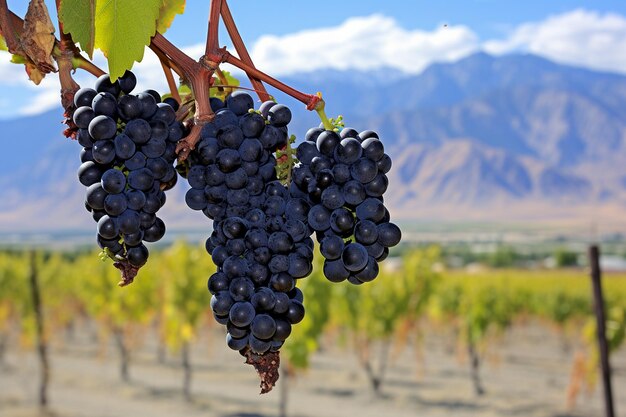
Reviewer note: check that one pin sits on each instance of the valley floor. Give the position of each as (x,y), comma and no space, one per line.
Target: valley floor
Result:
(526,374)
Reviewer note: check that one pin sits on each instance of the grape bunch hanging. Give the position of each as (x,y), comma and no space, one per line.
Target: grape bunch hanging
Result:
(264,200)
(129,147)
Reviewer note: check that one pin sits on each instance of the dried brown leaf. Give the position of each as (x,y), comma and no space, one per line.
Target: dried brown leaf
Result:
(38,37)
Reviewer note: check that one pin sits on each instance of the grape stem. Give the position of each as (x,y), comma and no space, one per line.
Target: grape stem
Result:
(212,40)
(242,51)
(309,100)
(171,83)
(69,87)
(199,75)
(321,112)
(9,31)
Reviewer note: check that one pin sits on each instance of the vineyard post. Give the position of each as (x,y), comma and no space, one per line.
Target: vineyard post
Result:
(596,279)
(42,348)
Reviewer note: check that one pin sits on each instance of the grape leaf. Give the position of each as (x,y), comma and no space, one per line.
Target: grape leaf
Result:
(123,29)
(3,44)
(33,73)
(78,19)
(168,12)
(38,37)
(31,69)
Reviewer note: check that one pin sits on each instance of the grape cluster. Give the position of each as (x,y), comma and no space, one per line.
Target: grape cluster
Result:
(342,176)
(260,242)
(129,144)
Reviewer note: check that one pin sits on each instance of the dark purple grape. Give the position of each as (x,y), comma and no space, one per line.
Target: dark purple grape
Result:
(342,220)
(84,97)
(236,343)
(95,196)
(108,227)
(279,115)
(148,104)
(331,247)
(228,160)
(250,149)
(369,273)
(295,313)
(130,223)
(139,131)
(137,161)
(103,152)
(332,197)
(348,151)
(341,173)
(282,282)
(113,181)
(241,289)
(373,149)
(319,217)
(370,209)
(326,142)
(222,303)
(366,232)
(283,329)
(239,102)
(384,164)
(129,107)
(141,179)
(251,124)
(241,313)
(354,257)
(115,204)
(102,127)
(217,282)
(196,199)
(389,234)
(124,146)
(258,346)
(83,116)
(263,326)
(155,232)
(364,170)
(264,299)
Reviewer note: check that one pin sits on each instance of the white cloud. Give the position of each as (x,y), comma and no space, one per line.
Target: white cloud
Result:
(362,43)
(580,37)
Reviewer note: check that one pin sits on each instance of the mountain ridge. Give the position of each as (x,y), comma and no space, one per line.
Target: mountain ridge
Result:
(469,138)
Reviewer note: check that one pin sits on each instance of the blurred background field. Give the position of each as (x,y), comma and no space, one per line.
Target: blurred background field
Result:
(446,330)
(506,123)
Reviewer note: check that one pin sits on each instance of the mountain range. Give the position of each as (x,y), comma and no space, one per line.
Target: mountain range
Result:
(510,138)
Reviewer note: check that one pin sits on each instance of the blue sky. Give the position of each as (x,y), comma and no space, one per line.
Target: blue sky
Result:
(406,35)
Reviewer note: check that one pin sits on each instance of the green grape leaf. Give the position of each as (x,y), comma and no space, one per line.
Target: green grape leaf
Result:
(3,44)
(123,30)
(168,12)
(79,20)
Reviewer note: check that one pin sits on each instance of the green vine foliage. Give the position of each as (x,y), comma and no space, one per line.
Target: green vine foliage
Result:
(135,23)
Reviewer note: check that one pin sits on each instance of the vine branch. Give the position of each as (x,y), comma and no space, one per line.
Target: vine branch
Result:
(163,58)
(212,41)
(171,83)
(7,29)
(241,49)
(309,100)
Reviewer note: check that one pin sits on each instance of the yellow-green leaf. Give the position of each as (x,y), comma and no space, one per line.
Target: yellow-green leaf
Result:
(78,19)
(168,12)
(3,44)
(123,29)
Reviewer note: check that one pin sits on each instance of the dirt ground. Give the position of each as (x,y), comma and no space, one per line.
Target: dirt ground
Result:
(526,374)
